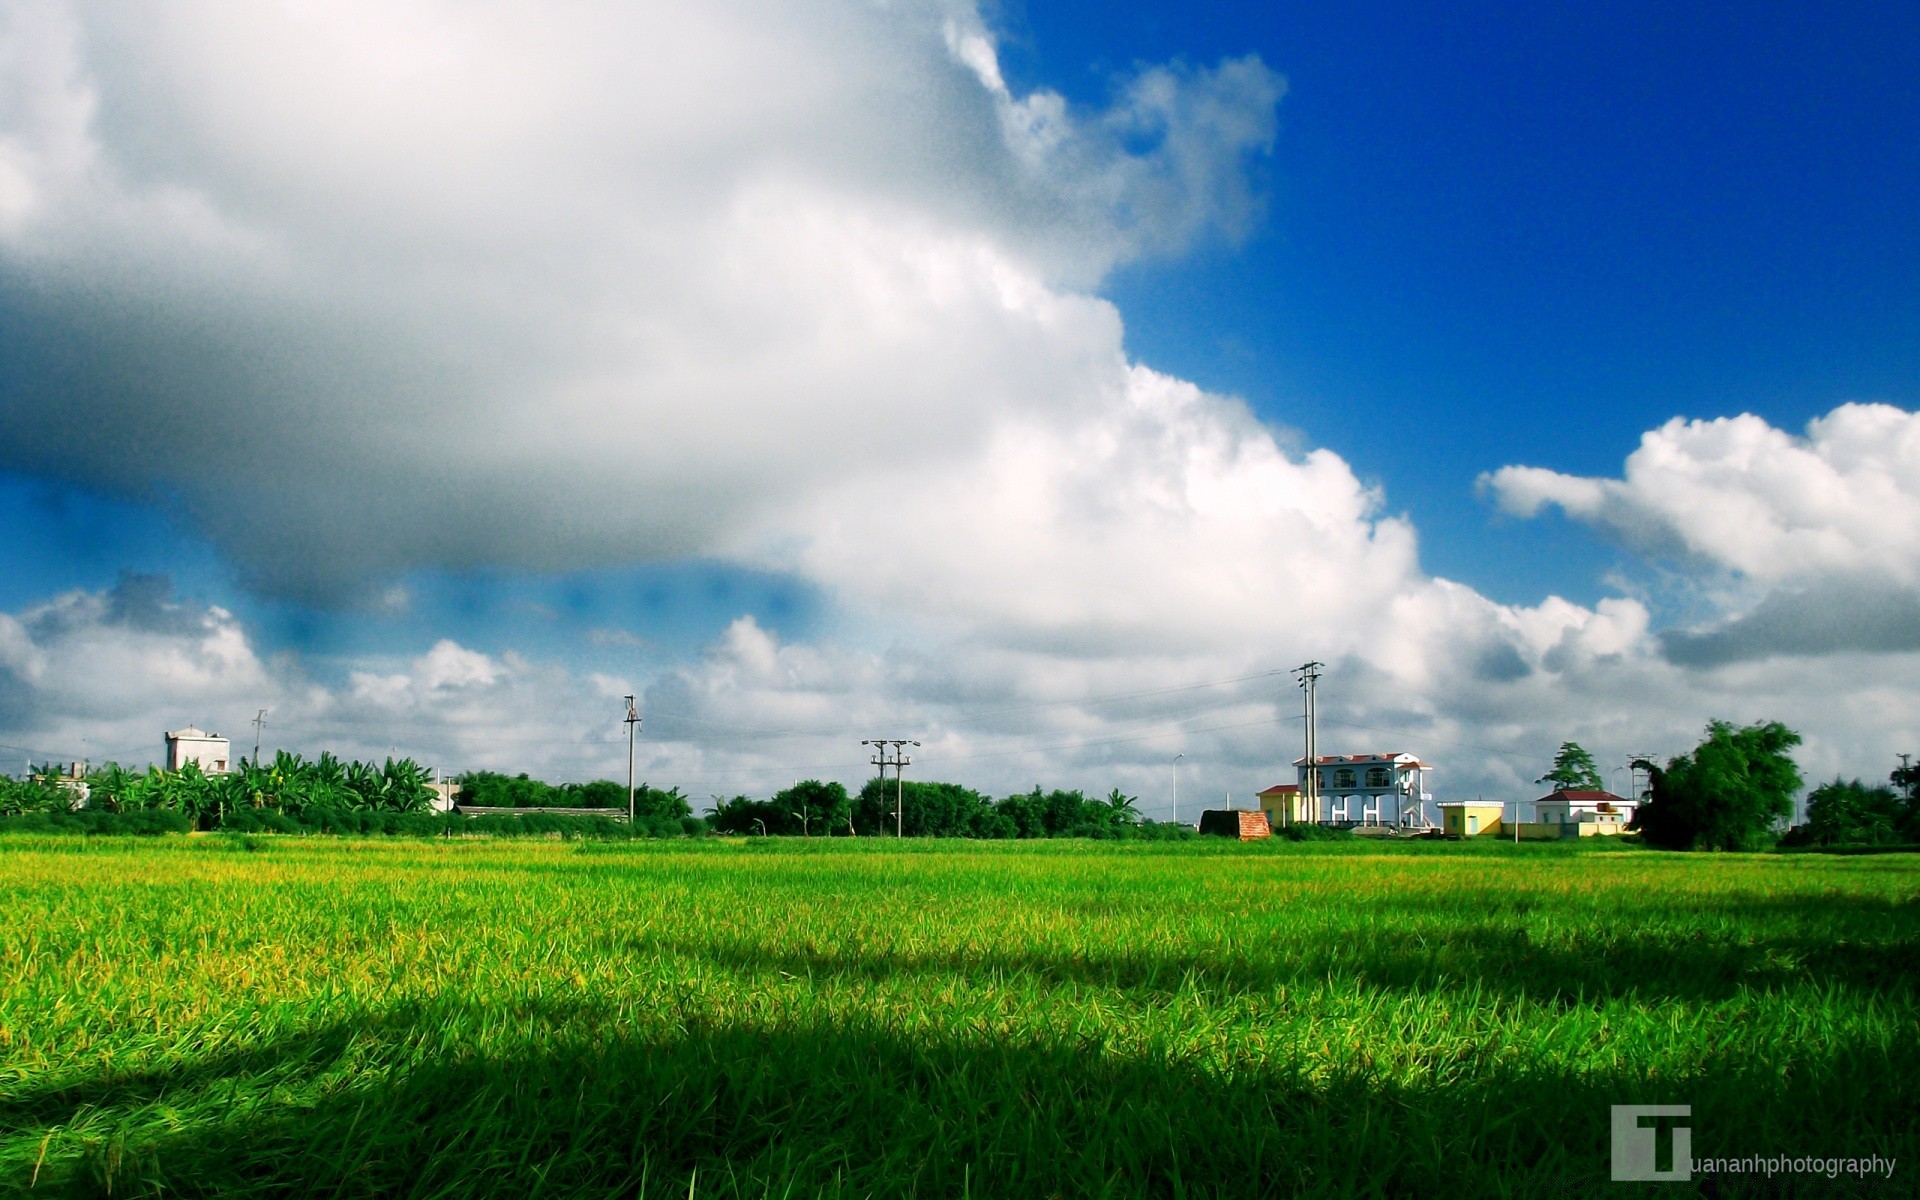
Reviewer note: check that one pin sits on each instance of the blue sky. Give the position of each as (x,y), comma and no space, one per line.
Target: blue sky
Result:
(1511,236)
(1528,233)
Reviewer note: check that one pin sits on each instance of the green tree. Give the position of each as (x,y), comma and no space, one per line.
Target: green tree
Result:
(931,809)
(1573,770)
(111,787)
(744,815)
(1728,794)
(1906,782)
(34,794)
(814,808)
(1851,813)
(655,804)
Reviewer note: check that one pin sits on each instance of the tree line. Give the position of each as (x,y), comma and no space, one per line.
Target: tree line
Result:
(1735,791)
(290,785)
(931,809)
(661,812)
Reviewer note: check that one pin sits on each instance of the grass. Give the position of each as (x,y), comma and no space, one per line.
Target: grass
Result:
(281,1016)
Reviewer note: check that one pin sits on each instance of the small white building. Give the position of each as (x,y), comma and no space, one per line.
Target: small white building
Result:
(1604,811)
(445,791)
(72,781)
(1367,789)
(208,751)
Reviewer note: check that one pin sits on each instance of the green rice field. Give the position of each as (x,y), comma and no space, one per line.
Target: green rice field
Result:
(283,1016)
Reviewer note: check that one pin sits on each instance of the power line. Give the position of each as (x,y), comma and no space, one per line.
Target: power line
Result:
(970,714)
(1309,674)
(899,765)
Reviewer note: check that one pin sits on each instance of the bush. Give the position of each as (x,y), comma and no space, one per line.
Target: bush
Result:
(98,822)
(1312,833)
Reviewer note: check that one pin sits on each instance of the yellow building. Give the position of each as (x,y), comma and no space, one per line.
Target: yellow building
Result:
(1284,805)
(1472,818)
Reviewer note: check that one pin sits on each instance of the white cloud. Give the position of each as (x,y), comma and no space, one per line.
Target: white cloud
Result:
(88,673)
(1163,519)
(1488,695)
(421,284)
(427,284)
(1811,544)
(1740,495)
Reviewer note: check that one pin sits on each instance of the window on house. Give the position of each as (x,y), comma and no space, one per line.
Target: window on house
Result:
(1376,777)
(1343,778)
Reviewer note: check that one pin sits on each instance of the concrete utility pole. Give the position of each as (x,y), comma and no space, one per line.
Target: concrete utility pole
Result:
(898,761)
(1309,674)
(633,724)
(259,723)
(1176,787)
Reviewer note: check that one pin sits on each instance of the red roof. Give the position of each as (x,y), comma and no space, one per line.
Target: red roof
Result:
(1279,789)
(1329,760)
(1582,795)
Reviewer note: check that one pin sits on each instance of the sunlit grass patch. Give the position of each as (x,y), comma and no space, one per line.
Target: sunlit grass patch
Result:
(282,1016)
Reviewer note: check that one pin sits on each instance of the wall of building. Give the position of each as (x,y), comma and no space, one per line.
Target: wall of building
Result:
(211,755)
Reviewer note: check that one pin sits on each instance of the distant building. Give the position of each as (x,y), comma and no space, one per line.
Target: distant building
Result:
(445,791)
(1284,805)
(73,781)
(1366,789)
(208,751)
(1473,818)
(1235,823)
(1601,812)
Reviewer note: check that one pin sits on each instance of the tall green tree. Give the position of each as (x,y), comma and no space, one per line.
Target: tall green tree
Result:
(1573,770)
(1730,793)
(815,808)
(1851,813)
(1906,785)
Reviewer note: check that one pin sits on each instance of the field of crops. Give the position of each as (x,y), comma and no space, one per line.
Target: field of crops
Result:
(288,1016)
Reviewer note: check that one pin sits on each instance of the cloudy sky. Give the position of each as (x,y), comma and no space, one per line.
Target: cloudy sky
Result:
(1037,381)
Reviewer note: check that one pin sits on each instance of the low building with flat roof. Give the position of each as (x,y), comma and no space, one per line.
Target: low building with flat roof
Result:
(210,752)
(1472,818)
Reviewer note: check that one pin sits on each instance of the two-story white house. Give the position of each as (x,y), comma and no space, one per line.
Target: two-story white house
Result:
(1367,789)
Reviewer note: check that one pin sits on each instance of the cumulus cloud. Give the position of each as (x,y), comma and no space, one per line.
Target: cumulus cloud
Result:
(1739,495)
(429,284)
(78,672)
(101,674)
(422,284)
(1813,541)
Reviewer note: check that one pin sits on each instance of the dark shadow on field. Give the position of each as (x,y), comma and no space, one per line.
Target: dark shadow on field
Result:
(1588,967)
(587,1107)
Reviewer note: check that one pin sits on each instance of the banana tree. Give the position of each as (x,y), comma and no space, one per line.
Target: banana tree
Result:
(404,785)
(112,787)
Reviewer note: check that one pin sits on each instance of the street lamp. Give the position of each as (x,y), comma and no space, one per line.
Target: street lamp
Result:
(1176,787)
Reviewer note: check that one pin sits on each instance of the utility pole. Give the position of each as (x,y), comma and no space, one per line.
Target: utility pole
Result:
(898,761)
(1309,674)
(1633,774)
(1176,787)
(633,724)
(259,723)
